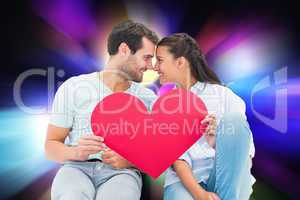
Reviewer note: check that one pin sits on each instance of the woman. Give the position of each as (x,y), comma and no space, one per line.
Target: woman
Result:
(203,172)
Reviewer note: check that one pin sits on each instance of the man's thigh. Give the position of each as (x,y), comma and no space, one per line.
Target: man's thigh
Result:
(72,183)
(121,186)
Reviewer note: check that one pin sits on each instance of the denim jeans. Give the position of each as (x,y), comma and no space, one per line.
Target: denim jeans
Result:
(230,177)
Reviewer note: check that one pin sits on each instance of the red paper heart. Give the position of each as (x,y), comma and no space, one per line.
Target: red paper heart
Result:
(150,141)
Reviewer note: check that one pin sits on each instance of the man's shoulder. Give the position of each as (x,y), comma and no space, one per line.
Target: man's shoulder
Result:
(82,78)
(85,77)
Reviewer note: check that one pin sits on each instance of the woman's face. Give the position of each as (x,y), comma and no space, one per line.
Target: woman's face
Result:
(166,65)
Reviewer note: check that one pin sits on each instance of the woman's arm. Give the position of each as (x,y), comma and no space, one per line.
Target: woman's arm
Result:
(187,178)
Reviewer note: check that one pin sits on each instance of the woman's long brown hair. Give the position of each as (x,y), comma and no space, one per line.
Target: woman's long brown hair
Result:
(181,44)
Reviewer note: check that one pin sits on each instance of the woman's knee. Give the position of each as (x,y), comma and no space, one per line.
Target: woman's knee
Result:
(234,124)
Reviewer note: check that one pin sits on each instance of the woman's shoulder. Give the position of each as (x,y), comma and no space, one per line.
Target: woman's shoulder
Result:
(226,95)
(211,89)
(218,89)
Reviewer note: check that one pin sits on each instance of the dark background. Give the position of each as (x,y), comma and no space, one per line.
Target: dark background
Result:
(70,36)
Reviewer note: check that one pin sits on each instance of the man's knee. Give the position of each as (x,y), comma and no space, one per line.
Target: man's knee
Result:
(73,194)
(123,186)
(126,194)
(71,183)
(72,191)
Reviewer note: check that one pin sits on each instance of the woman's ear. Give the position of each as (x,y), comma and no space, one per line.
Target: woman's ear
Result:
(181,63)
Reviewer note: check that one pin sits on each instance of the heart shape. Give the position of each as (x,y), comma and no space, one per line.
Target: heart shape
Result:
(151,141)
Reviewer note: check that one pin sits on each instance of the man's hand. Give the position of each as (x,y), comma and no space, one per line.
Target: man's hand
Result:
(210,132)
(87,145)
(115,160)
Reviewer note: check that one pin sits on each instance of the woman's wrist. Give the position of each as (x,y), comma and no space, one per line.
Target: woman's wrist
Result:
(199,193)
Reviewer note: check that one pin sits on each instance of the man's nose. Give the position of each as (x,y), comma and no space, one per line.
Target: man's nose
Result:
(155,67)
(150,66)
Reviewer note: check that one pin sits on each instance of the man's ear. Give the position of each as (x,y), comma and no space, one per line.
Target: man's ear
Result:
(123,49)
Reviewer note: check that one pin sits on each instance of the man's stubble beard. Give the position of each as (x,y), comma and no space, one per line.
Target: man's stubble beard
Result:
(131,73)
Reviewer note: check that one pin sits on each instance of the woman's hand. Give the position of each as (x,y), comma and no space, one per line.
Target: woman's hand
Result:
(208,196)
(210,132)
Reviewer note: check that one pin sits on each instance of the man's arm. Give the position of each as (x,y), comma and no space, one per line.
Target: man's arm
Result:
(56,150)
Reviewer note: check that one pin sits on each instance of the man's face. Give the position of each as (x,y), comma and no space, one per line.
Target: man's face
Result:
(139,62)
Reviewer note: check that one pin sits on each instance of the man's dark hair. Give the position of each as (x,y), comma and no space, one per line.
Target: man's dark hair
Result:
(130,33)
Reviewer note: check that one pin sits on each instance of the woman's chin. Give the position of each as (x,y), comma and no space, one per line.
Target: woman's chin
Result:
(163,81)
(166,82)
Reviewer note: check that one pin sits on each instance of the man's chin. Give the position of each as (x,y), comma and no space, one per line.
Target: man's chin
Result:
(138,79)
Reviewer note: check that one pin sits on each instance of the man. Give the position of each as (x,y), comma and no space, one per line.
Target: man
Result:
(85,174)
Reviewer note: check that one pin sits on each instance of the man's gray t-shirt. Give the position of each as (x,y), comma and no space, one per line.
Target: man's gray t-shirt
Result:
(76,99)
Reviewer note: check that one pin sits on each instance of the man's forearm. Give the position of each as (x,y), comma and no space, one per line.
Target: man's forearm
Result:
(59,152)
(185,174)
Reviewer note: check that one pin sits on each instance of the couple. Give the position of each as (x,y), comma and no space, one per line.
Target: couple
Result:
(215,167)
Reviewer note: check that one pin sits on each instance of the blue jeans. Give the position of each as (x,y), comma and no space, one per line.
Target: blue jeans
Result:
(230,177)
(95,180)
